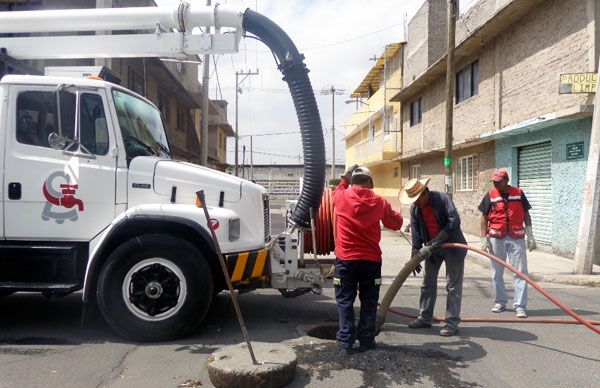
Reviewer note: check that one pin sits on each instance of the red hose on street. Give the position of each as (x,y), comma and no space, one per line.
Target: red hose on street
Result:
(579,319)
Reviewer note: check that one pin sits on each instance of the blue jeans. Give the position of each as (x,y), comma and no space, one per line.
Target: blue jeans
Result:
(365,277)
(516,251)
(455,268)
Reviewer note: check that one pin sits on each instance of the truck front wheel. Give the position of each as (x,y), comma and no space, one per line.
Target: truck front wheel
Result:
(155,288)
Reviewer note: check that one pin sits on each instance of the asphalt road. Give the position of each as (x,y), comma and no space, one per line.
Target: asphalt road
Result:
(43,345)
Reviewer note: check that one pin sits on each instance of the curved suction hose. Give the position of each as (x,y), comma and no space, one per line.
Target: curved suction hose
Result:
(414,262)
(295,74)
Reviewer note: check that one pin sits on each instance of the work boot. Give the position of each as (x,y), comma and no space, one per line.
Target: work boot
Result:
(345,349)
(448,331)
(366,346)
(417,324)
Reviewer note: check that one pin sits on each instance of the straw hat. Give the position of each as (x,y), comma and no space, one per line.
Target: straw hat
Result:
(411,190)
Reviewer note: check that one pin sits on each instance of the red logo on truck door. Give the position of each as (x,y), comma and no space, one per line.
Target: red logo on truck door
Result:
(60,195)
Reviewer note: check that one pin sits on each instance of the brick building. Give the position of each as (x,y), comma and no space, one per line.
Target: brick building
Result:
(508,111)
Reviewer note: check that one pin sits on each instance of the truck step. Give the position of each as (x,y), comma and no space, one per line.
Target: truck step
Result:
(40,287)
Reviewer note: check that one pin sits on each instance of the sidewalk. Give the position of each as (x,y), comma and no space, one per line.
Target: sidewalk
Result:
(544,267)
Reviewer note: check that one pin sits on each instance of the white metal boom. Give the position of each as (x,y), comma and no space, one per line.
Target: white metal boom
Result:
(172,36)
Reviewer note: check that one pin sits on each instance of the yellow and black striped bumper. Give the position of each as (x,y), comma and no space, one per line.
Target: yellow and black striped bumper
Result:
(248,268)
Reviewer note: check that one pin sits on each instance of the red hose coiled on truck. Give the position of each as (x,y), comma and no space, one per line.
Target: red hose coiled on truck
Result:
(324,227)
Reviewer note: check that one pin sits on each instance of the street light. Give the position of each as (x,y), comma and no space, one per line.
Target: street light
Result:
(357,101)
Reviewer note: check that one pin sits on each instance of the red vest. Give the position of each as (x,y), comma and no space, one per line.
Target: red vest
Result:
(506,217)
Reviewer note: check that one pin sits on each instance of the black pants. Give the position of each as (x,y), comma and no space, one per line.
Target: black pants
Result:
(350,276)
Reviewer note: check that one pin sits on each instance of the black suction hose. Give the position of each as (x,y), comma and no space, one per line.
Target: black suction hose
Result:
(295,73)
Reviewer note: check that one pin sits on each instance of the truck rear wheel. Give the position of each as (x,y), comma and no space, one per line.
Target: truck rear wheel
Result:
(155,288)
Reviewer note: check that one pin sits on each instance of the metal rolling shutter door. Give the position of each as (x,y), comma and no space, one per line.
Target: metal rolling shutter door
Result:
(535,179)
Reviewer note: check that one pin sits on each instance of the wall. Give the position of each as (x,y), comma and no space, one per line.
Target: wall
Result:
(567,175)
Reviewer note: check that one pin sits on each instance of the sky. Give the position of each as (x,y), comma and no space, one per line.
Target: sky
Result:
(337,37)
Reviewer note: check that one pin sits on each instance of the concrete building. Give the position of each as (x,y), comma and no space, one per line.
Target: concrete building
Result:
(281,180)
(172,86)
(508,110)
(373,131)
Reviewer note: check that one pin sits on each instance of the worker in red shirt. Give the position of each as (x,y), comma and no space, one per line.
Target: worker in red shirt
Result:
(434,221)
(358,255)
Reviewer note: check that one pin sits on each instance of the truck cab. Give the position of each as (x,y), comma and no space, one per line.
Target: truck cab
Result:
(93,201)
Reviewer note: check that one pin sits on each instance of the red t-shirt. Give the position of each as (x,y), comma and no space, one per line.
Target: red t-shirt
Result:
(358,231)
(433,228)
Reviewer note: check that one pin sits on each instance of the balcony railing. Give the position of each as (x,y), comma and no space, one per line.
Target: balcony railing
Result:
(380,147)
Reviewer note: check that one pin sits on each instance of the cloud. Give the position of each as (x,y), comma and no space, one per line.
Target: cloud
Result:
(337,38)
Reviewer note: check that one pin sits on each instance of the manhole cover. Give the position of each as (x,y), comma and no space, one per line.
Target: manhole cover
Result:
(326,332)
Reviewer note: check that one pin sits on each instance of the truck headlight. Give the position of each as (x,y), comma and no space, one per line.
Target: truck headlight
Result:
(234,229)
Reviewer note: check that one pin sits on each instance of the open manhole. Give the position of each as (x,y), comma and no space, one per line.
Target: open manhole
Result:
(327,332)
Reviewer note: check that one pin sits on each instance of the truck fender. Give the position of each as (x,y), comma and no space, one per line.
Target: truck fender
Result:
(150,219)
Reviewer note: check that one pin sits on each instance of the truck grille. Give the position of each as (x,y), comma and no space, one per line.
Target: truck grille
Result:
(267,217)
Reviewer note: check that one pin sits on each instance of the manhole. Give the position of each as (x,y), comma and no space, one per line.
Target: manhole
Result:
(327,332)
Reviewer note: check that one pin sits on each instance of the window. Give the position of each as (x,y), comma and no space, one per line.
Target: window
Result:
(467,82)
(36,119)
(135,81)
(416,110)
(180,66)
(414,171)
(395,172)
(163,106)
(141,127)
(372,131)
(396,122)
(466,173)
(181,119)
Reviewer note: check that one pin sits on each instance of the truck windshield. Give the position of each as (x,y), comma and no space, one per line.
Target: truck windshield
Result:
(141,127)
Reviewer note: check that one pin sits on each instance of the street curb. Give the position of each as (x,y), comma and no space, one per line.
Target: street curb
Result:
(568,279)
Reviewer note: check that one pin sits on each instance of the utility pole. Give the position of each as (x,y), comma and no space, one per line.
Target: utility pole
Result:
(237,92)
(244,161)
(333,90)
(204,121)
(452,8)
(251,160)
(588,234)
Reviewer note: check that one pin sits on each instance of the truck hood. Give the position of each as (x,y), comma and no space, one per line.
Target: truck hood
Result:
(189,178)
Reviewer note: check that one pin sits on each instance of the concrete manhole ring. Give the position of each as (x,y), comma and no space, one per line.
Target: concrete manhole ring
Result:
(231,366)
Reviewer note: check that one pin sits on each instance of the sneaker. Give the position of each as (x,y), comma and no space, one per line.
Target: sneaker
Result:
(416,324)
(367,346)
(448,331)
(498,308)
(345,349)
(521,313)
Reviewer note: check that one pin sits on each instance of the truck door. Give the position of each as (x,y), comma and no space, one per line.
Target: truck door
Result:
(58,190)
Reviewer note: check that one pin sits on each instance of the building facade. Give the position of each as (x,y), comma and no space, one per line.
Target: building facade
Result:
(373,137)
(508,109)
(282,181)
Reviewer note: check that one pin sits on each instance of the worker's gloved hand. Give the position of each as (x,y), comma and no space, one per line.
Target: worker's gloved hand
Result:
(425,252)
(531,244)
(415,252)
(417,270)
(486,244)
(441,238)
(349,171)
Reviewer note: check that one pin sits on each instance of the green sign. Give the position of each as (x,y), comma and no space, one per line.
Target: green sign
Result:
(575,150)
(447,162)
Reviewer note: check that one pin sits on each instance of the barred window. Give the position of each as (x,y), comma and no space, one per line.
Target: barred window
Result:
(467,170)
(414,171)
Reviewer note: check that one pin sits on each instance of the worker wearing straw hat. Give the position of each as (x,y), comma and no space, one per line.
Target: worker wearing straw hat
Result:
(434,221)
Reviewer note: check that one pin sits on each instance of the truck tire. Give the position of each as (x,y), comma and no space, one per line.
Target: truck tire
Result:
(155,288)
